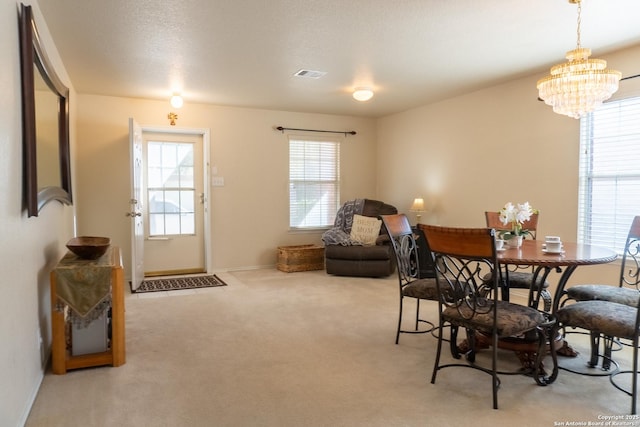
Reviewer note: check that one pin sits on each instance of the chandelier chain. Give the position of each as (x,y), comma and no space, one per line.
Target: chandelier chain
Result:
(579,22)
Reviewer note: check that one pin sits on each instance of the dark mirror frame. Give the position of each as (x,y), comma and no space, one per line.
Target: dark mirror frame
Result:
(33,57)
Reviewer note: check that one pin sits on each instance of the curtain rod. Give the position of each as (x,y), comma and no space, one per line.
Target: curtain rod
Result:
(630,77)
(352,132)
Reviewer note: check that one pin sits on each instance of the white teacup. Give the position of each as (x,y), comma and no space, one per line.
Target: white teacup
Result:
(553,246)
(548,239)
(499,244)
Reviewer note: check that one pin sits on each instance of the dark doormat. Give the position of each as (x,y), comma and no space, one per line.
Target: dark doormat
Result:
(178,283)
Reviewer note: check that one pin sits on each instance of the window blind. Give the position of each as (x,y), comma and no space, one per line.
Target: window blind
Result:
(314,182)
(609,192)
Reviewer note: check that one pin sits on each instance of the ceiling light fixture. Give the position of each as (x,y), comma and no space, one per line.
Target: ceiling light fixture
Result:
(579,85)
(362,94)
(176,101)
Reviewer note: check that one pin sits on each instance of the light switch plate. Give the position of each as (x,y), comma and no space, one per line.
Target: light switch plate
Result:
(217,181)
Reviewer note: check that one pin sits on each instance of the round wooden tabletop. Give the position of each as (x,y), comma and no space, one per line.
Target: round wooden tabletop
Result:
(532,252)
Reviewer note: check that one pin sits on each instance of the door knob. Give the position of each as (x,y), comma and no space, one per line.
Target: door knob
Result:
(133,214)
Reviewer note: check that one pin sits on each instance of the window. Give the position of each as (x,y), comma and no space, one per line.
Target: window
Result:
(170,188)
(314,182)
(609,193)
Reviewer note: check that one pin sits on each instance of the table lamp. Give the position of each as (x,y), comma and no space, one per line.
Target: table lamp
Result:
(418,208)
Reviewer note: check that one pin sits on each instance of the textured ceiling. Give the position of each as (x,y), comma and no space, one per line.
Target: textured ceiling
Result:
(245,52)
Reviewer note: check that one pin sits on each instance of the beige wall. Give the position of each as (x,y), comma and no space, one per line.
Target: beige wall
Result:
(475,152)
(30,246)
(249,215)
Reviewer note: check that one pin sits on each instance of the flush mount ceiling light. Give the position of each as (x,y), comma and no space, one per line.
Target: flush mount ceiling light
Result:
(579,85)
(176,101)
(362,94)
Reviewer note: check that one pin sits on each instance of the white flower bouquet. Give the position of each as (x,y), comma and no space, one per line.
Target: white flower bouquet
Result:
(516,215)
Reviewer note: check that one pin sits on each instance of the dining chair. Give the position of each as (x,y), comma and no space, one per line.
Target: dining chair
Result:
(626,292)
(408,268)
(608,319)
(462,257)
(513,276)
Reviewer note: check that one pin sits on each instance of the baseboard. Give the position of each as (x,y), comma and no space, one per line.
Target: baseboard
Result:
(248,267)
(32,399)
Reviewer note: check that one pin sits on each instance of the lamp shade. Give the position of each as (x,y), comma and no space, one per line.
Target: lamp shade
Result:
(418,205)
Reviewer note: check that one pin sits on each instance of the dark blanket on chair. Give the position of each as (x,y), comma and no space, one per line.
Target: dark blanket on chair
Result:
(340,234)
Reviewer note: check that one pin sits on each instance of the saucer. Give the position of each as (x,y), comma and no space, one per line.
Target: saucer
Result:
(560,252)
(501,250)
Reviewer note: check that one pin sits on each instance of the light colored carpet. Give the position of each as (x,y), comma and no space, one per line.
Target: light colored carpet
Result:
(297,349)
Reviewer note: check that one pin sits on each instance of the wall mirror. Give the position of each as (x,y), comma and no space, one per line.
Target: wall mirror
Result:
(45,123)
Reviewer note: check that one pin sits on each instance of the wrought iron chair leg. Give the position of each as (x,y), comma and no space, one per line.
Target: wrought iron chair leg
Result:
(417,312)
(453,342)
(495,381)
(634,380)
(436,363)
(595,348)
(608,345)
(399,321)
(471,338)
(540,375)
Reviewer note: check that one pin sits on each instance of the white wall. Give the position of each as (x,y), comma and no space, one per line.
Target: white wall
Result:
(30,246)
(249,215)
(475,152)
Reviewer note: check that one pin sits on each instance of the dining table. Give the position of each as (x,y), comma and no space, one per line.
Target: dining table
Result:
(533,253)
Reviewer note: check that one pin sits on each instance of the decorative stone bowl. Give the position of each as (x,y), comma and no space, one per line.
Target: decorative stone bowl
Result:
(89,247)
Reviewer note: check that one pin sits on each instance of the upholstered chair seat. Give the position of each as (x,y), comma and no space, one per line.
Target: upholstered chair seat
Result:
(626,296)
(512,319)
(604,317)
(422,289)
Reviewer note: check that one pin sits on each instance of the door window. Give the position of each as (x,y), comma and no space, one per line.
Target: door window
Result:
(170,188)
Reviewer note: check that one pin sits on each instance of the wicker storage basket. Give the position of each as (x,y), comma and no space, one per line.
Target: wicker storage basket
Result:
(300,258)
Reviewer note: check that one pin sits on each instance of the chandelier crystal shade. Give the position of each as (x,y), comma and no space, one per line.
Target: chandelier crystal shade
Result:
(580,85)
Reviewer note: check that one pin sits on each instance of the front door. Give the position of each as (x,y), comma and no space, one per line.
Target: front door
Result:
(136,204)
(175,201)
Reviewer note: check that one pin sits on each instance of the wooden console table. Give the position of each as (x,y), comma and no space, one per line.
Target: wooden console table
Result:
(62,360)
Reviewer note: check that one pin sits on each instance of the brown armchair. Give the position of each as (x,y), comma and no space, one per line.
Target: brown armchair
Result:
(344,257)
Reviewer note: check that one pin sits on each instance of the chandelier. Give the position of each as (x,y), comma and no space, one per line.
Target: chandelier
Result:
(579,85)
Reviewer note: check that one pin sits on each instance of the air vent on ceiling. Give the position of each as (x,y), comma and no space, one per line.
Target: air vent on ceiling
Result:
(310,74)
